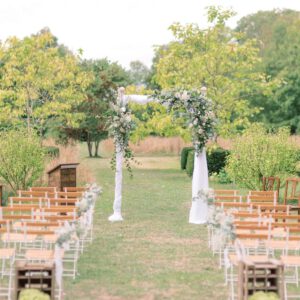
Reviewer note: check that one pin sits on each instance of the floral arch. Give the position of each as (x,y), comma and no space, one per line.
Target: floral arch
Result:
(198,110)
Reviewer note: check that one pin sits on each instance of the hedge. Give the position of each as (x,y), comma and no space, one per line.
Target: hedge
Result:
(216,160)
(184,155)
(190,163)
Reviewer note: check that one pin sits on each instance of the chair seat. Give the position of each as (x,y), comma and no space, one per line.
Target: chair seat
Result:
(291,260)
(39,254)
(6,253)
(253,258)
(18,237)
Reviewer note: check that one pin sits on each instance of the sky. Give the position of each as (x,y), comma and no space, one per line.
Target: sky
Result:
(121,30)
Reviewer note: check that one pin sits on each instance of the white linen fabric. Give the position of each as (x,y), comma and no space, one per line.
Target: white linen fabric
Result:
(117,216)
(199,208)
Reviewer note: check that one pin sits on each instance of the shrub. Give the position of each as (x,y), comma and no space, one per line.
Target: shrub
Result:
(223,177)
(190,163)
(259,153)
(32,294)
(216,160)
(184,155)
(52,151)
(21,158)
(264,296)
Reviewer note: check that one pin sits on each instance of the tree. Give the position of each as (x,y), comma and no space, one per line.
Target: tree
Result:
(154,119)
(22,158)
(93,127)
(278,34)
(40,81)
(259,153)
(138,72)
(214,57)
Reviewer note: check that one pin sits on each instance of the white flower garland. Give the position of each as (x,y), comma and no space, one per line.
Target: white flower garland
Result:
(199,111)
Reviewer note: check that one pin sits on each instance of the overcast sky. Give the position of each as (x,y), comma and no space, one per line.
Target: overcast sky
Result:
(121,30)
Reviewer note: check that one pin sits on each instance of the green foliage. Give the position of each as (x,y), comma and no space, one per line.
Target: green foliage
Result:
(264,296)
(190,163)
(93,127)
(214,57)
(21,158)
(39,82)
(138,72)
(216,159)
(223,177)
(153,119)
(196,109)
(278,37)
(184,155)
(52,151)
(32,294)
(259,153)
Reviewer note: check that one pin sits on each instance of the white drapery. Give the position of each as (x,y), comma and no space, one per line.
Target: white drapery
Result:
(117,216)
(199,209)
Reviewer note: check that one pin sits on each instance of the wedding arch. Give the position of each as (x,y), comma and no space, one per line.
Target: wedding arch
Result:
(198,110)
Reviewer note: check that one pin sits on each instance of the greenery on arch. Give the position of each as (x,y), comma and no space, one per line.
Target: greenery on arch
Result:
(196,109)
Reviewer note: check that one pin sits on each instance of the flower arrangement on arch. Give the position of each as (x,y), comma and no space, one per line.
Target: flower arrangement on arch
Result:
(121,126)
(198,110)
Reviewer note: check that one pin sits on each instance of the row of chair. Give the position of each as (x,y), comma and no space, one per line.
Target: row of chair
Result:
(263,230)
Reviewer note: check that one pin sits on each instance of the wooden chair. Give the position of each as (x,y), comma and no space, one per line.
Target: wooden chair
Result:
(292,190)
(240,206)
(43,189)
(74,189)
(7,259)
(266,197)
(22,193)
(271,184)
(227,195)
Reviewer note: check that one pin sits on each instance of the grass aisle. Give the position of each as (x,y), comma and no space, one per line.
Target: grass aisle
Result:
(154,253)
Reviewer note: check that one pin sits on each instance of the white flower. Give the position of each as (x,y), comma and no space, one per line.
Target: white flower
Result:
(185,96)
(123,109)
(195,122)
(200,131)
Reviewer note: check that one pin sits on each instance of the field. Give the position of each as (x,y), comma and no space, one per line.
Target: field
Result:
(154,253)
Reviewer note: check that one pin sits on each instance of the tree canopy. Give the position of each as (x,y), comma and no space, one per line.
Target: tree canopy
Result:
(278,38)
(93,127)
(214,57)
(39,82)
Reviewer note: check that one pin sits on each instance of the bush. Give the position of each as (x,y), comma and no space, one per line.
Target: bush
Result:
(223,177)
(190,163)
(258,153)
(184,155)
(21,158)
(264,296)
(32,294)
(52,151)
(216,160)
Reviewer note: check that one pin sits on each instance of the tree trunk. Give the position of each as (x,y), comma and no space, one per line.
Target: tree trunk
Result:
(90,147)
(97,143)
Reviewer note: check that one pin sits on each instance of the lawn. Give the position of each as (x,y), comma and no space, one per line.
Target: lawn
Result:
(155,253)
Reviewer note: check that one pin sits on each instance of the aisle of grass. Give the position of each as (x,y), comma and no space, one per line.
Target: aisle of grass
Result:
(154,253)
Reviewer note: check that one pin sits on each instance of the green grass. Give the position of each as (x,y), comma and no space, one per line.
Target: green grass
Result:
(155,253)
